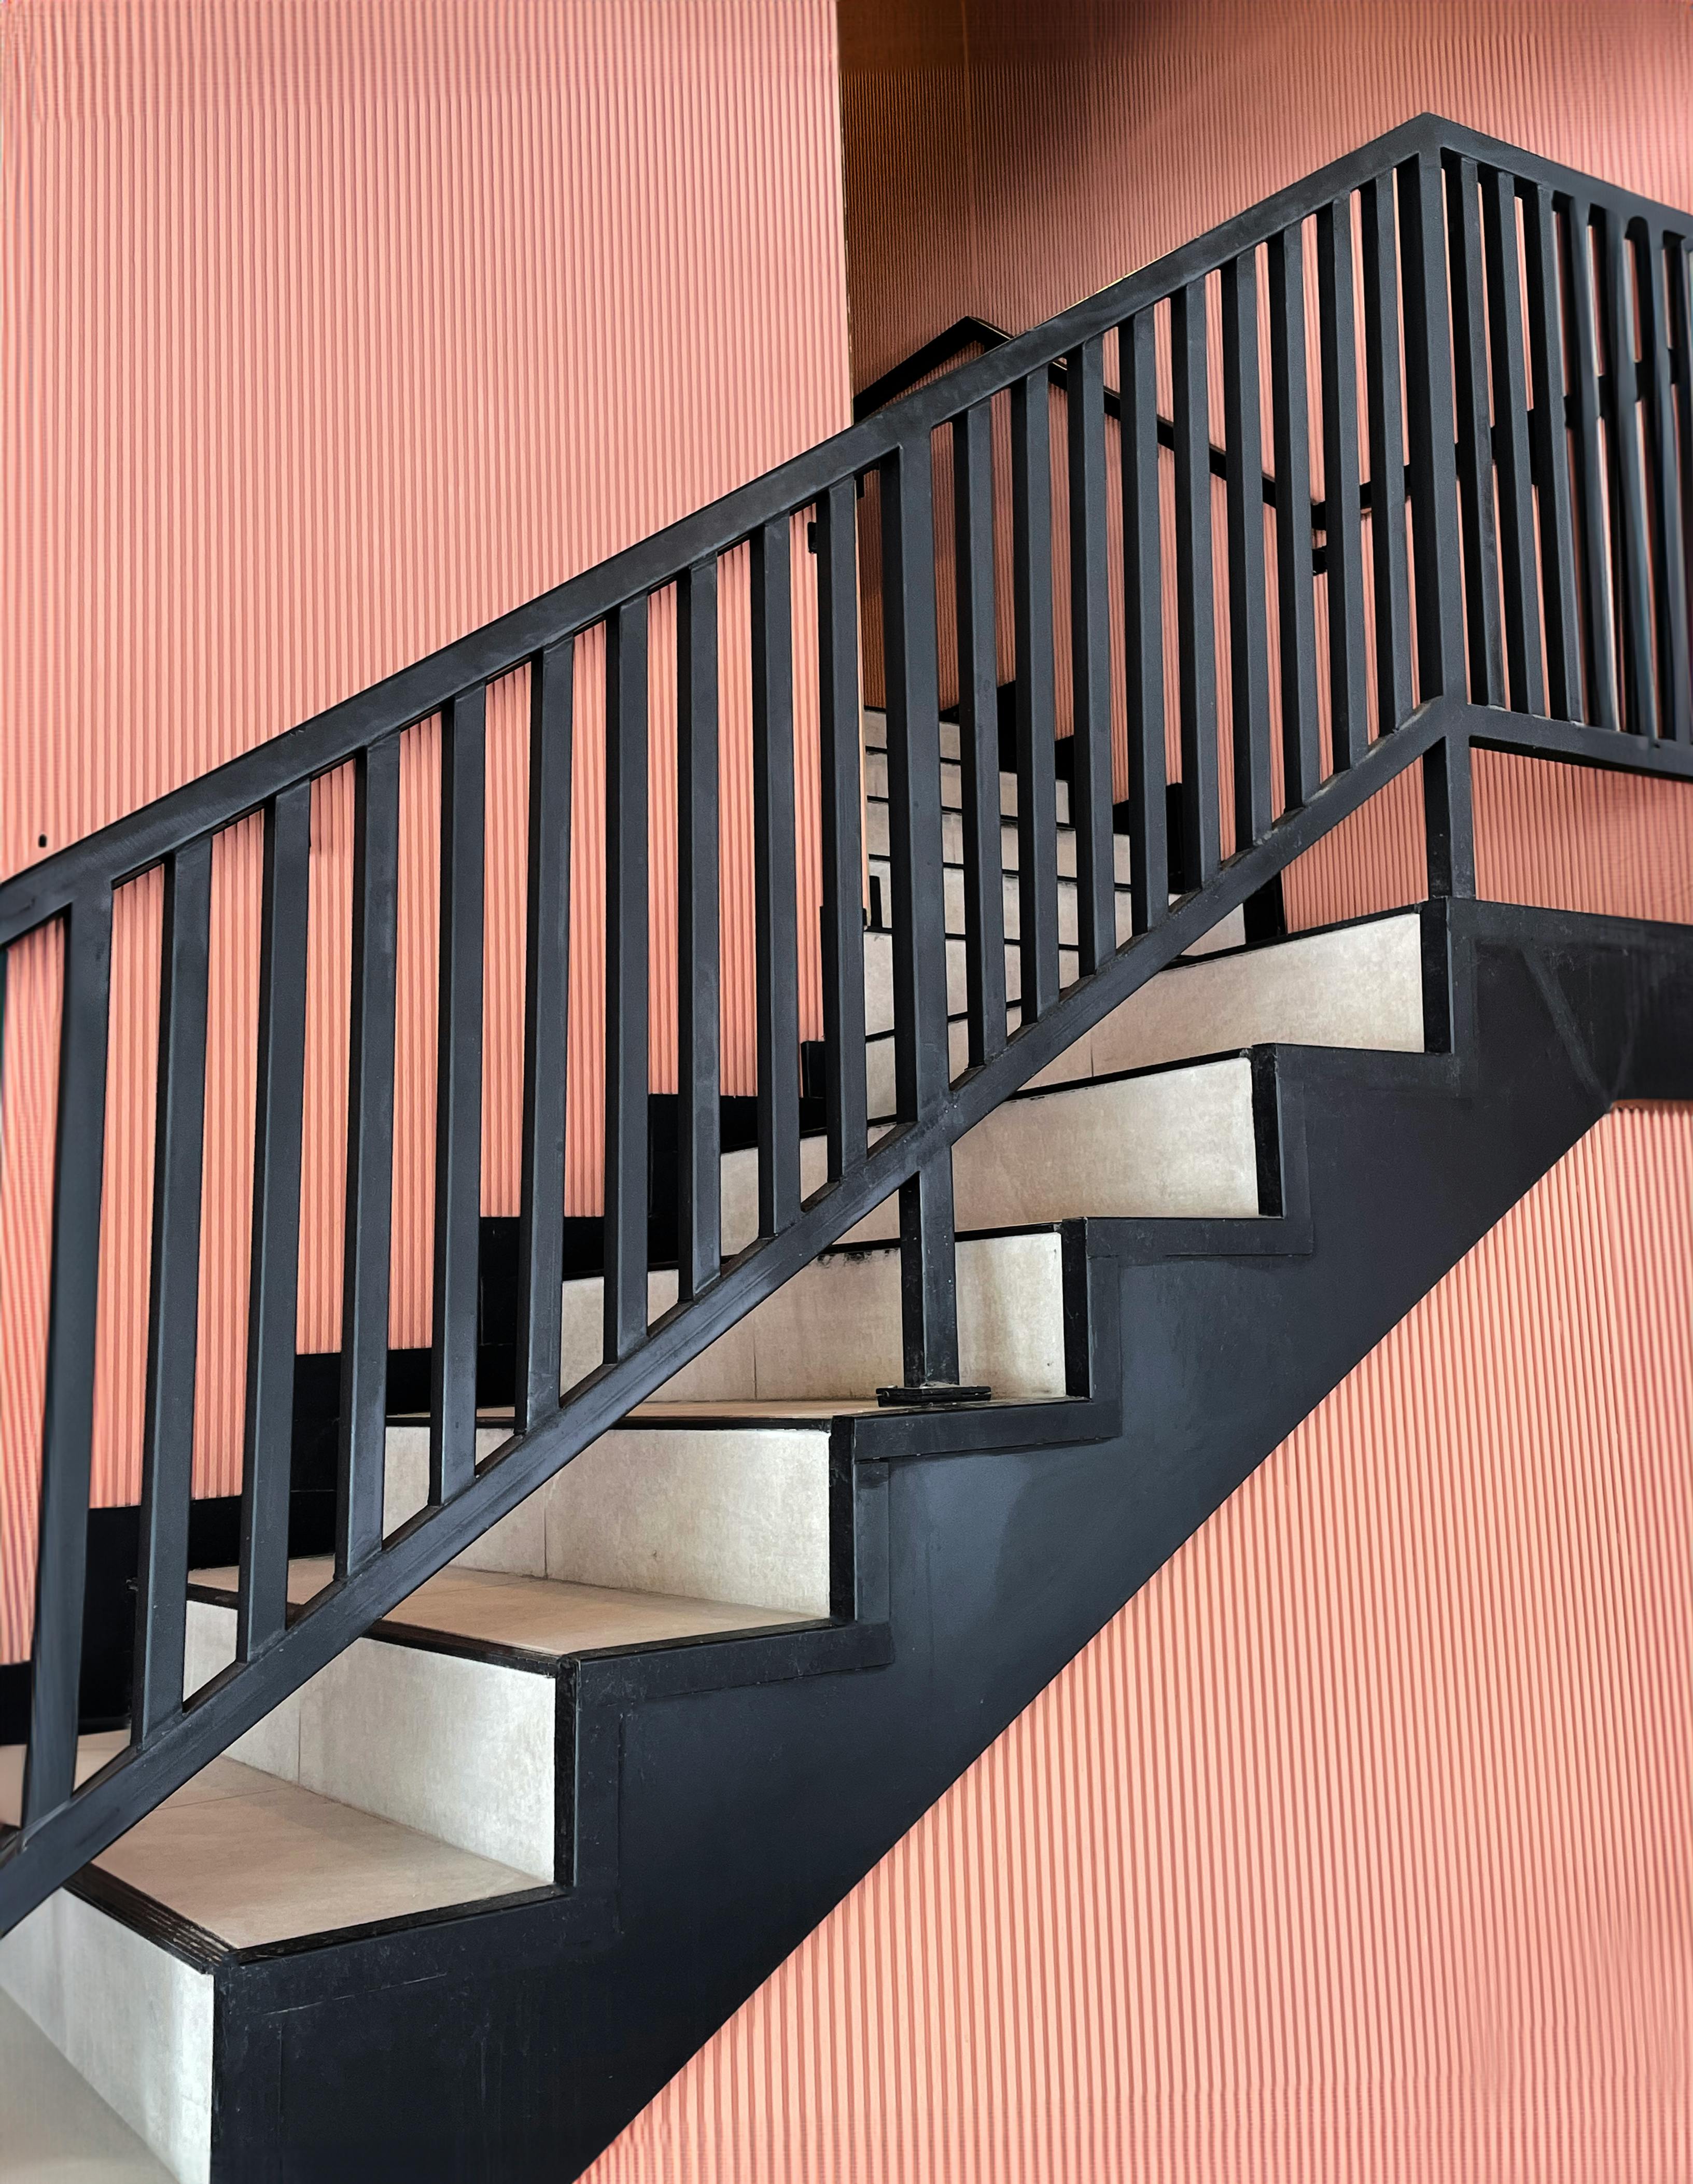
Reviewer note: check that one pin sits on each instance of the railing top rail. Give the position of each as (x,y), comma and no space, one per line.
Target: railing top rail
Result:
(129,845)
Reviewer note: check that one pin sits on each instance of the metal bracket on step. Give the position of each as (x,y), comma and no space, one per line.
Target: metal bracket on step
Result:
(928,1393)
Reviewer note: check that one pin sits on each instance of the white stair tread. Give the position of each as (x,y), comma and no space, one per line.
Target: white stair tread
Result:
(54,2128)
(251,1858)
(548,1617)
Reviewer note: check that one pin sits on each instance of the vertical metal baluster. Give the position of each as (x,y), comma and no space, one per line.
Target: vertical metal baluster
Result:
(1434,475)
(370,1160)
(174,1300)
(1195,608)
(1090,657)
(1349,706)
(1511,442)
(67,1415)
(1628,501)
(1679,275)
(5,971)
(1391,581)
(1037,782)
(1248,605)
(1664,490)
(1301,743)
(1143,593)
(699,1167)
(928,1288)
(773,875)
(458,1099)
(546,1036)
(1448,817)
(845,1101)
(272,1313)
(1550,455)
(1603,656)
(928,1279)
(1337,333)
(1474,436)
(627,1077)
(978,732)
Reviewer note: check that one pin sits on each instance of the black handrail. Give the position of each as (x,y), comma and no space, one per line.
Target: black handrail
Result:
(970,332)
(1525,544)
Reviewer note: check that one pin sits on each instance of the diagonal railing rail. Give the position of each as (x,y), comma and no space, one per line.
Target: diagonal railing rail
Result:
(1471,370)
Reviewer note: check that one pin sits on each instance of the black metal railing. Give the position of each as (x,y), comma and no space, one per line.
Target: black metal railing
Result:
(1487,544)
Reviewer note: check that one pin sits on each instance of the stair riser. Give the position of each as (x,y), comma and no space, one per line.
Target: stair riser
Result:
(1010,903)
(951,791)
(732,1513)
(1360,986)
(1179,1143)
(134,2019)
(463,1747)
(878,977)
(460,1749)
(833,1331)
(1228,933)
(876,842)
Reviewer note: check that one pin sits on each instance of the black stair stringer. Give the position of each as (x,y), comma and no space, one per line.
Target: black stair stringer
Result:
(990,1547)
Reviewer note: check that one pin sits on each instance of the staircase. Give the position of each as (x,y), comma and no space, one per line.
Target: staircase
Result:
(438,1855)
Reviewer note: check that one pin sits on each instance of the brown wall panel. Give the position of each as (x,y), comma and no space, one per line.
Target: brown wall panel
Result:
(1358,1845)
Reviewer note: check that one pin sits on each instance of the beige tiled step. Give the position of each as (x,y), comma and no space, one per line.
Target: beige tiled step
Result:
(459,1740)
(833,1331)
(711,1513)
(1172,1143)
(248,1860)
(1010,903)
(1228,932)
(876,842)
(951,786)
(1178,1142)
(1353,986)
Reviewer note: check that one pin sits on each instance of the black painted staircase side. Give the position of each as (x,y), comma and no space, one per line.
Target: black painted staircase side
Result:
(729,1795)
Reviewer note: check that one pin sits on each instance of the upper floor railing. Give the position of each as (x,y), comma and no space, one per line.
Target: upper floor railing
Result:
(1469,370)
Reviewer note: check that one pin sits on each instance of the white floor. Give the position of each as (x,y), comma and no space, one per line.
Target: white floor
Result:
(53,2129)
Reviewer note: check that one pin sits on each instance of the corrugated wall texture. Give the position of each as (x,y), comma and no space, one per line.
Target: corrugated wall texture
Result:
(331,331)
(1361,1843)
(1006,160)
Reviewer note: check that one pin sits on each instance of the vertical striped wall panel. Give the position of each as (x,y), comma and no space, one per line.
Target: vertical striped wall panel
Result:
(1361,1843)
(330,332)
(1006,161)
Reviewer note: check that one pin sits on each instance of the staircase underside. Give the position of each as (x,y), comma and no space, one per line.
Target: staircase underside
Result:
(728,1793)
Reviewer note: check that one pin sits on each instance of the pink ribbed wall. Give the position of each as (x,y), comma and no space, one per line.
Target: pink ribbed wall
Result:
(1005,161)
(333,330)
(1361,1843)
(1358,1845)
